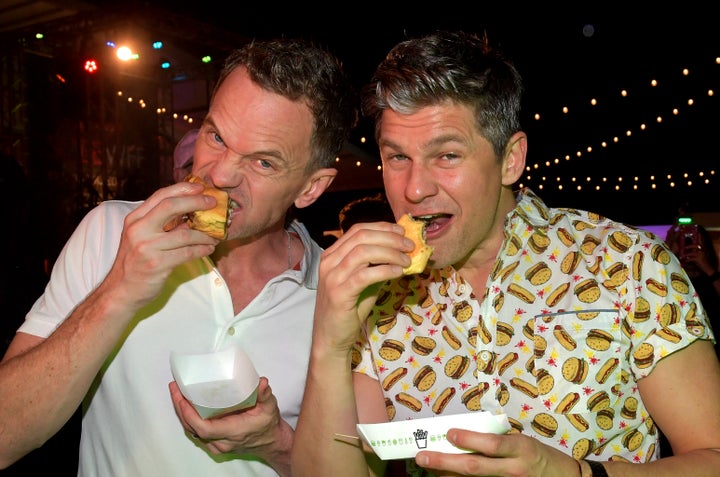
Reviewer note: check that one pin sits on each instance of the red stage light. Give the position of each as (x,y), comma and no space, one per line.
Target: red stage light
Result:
(91,65)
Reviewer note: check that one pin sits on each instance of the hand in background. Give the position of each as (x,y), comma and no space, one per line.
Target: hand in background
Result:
(697,257)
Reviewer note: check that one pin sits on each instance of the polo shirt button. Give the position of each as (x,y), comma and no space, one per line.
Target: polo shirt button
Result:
(231,331)
(218,281)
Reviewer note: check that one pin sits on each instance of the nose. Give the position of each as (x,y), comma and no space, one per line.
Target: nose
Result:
(225,170)
(421,183)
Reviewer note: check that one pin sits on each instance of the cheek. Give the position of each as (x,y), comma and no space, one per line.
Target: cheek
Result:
(394,186)
(468,189)
(271,198)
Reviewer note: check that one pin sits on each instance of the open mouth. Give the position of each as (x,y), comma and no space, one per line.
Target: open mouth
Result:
(431,219)
(232,205)
(424,218)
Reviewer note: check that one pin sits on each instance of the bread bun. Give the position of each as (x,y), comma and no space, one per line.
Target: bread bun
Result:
(415,231)
(215,221)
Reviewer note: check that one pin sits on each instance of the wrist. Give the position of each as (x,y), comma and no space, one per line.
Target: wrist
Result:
(580,467)
(278,456)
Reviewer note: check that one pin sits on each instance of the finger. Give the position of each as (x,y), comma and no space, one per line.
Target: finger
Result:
(216,447)
(442,464)
(486,457)
(173,211)
(264,390)
(188,415)
(380,234)
(169,205)
(175,190)
(367,300)
(178,399)
(175,222)
(175,393)
(361,255)
(366,245)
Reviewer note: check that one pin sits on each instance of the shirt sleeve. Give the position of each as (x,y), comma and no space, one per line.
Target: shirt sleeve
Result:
(666,314)
(362,356)
(82,264)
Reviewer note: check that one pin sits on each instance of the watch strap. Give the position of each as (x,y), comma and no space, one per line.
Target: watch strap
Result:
(598,470)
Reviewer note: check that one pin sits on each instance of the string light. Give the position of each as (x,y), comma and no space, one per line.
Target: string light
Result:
(536,179)
(159,110)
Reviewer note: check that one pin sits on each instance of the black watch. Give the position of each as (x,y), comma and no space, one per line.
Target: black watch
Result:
(598,470)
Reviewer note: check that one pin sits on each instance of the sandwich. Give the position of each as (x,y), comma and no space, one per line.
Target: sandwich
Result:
(415,231)
(215,221)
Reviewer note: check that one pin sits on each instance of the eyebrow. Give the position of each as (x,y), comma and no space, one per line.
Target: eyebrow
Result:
(435,141)
(269,152)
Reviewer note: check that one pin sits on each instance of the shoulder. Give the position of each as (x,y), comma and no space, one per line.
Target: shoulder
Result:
(110,210)
(104,221)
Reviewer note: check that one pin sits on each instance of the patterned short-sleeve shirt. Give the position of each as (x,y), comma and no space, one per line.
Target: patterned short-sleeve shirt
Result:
(576,311)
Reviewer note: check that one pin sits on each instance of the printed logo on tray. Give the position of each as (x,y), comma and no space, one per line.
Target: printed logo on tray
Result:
(420,437)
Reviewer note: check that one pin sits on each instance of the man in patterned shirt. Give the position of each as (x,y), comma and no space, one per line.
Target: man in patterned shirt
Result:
(585,332)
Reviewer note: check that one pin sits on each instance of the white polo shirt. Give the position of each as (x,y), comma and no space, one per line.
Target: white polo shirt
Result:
(129,425)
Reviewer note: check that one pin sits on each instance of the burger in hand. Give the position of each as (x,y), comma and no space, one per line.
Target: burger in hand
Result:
(415,231)
(215,221)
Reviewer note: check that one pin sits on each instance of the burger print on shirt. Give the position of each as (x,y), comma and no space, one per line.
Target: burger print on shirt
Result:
(576,311)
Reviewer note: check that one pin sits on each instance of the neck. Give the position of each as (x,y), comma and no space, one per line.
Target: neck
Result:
(272,252)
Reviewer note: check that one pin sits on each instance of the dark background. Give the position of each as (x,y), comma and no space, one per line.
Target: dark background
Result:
(566,55)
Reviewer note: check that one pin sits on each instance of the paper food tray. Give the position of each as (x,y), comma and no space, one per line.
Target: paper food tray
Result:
(403,439)
(216,383)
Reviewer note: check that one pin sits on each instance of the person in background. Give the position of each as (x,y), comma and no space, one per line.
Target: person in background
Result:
(134,283)
(369,208)
(365,209)
(694,246)
(183,155)
(586,333)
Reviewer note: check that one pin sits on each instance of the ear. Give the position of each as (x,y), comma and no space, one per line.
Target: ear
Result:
(514,160)
(314,188)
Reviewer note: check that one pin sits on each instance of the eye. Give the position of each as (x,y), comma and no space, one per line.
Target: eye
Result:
(397,157)
(264,164)
(211,138)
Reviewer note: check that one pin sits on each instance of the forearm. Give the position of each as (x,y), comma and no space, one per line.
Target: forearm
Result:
(328,408)
(44,385)
(699,463)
